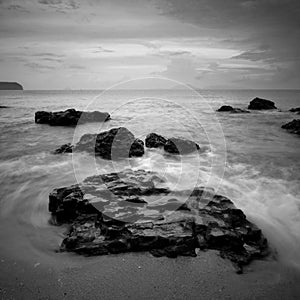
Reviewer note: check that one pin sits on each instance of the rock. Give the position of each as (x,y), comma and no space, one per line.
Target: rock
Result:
(116,143)
(10,86)
(4,106)
(66,148)
(117,212)
(293,126)
(296,110)
(70,117)
(180,146)
(154,140)
(261,104)
(172,145)
(227,108)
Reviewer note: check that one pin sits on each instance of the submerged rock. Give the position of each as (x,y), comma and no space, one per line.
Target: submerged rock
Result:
(228,108)
(293,126)
(116,143)
(131,211)
(261,104)
(172,145)
(70,117)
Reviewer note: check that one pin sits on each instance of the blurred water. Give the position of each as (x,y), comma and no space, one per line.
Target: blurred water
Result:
(248,157)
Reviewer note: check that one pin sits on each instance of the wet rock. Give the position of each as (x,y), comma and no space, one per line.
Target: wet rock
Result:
(180,146)
(261,104)
(66,148)
(114,144)
(70,117)
(228,108)
(104,218)
(293,126)
(154,140)
(295,110)
(171,145)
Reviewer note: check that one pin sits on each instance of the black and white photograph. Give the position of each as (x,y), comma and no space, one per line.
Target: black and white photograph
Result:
(150,149)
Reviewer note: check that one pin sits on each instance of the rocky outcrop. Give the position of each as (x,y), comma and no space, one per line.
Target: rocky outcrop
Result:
(136,211)
(116,143)
(228,108)
(10,86)
(154,140)
(180,146)
(261,104)
(293,126)
(70,117)
(172,145)
(295,110)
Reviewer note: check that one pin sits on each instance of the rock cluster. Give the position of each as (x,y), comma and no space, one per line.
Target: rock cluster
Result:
(136,211)
(228,108)
(261,104)
(116,143)
(171,145)
(70,117)
(293,126)
(119,143)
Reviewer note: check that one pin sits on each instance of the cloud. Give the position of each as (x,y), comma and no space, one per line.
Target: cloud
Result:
(39,67)
(61,4)
(253,55)
(103,50)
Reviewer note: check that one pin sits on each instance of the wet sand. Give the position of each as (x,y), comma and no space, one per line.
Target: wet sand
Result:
(141,276)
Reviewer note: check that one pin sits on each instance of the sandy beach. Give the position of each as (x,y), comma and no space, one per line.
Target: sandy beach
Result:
(141,276)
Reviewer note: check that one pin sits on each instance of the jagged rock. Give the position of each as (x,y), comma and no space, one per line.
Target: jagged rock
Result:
(293,126)
(122,212)
(180,146)
(113,144)
(66,148)
(228,108)
(261,104)
(172,145)
(296,110)
(154,140)
(70,117)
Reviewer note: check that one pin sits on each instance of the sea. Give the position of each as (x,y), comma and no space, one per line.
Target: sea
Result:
(247,157)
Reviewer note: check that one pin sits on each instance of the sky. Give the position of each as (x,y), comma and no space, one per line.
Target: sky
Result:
(94,44)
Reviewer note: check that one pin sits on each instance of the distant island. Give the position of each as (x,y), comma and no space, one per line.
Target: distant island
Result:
(10,86)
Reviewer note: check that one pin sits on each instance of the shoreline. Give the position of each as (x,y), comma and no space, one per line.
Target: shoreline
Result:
(142,276)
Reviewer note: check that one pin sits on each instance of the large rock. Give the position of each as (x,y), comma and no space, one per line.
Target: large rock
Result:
(295,110)
(154,140)
(180,146)
(116,143)
(228,108)
(293,126)
(261,104)
(70,117)
(136,211)
(171,145)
